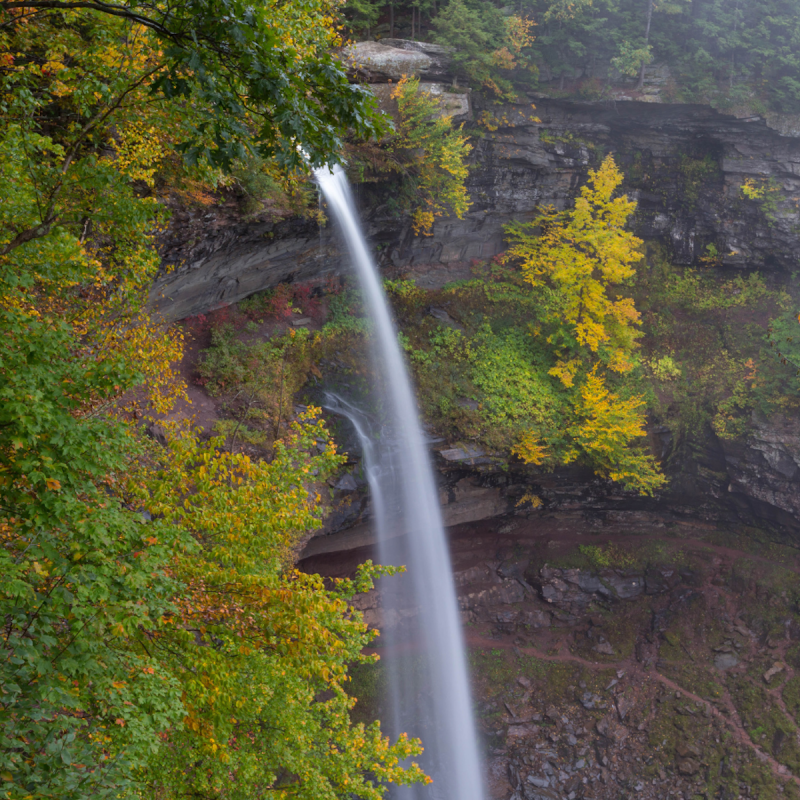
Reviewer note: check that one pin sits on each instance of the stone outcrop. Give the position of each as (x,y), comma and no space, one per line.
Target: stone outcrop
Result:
(764,469)
(685,164)
(391,59)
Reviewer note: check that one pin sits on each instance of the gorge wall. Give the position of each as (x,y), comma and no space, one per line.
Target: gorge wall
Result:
(685,165)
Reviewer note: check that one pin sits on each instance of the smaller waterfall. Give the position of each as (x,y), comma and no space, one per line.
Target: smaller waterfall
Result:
(429,688)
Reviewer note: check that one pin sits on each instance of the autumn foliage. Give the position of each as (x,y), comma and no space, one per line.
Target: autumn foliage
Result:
(575,261)
(154,639)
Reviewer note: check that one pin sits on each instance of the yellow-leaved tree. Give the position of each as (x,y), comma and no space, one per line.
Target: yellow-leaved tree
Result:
(579,255)
(433,156)
(575,260)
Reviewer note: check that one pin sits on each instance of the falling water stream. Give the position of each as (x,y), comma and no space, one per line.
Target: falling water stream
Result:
(429,690)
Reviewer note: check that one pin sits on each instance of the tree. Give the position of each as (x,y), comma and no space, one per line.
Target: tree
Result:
(261,652)
(605,428)
(361,15)
(572,265)
(564,28)
(431,154)
(579,255)
(255,75)
(115,626)
(485,43)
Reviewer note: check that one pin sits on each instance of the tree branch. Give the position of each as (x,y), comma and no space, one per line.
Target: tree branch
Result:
(105,8)
(50,217)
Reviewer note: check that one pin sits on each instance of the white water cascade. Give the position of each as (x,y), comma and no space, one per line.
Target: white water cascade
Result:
(429,689)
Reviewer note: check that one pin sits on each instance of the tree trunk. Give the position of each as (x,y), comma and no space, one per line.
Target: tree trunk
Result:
(646,42)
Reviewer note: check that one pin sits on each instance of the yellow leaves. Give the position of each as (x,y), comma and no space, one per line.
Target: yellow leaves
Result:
(530,449)
(565,371)
(580,254)
(53,485)
(422,221)
(606,427)
(752,191)
(528,497)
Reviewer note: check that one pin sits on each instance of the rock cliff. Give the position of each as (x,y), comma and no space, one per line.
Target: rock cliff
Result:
(685,165)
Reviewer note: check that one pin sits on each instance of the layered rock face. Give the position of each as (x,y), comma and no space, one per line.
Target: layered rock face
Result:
(685,164)
(764,470)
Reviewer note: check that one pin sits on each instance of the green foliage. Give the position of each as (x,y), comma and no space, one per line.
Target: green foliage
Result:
(515,389)
(713,330)
(428,153)
(784,338)
(631,59)
(723,52)
(692,289)
(346,314)
(84,586)
(259,379)
(719,51)
(664,368)
(486,44)
(361,15)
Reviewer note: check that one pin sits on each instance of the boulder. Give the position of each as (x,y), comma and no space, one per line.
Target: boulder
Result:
(391,59)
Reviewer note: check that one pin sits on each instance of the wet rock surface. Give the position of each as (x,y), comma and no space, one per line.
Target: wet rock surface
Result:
(684,164)
(621,660)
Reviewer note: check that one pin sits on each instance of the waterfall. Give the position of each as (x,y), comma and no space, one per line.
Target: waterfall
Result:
(430,694)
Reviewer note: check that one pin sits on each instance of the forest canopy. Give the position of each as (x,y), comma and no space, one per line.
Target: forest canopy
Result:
(724,52)
(128,666)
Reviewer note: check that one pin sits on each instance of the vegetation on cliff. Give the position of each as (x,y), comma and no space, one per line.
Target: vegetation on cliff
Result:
(155,638)
(723,52)
(544,347)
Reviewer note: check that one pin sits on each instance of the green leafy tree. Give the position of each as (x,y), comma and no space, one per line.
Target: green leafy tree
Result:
(486,44)
(631,59)
(361,15)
